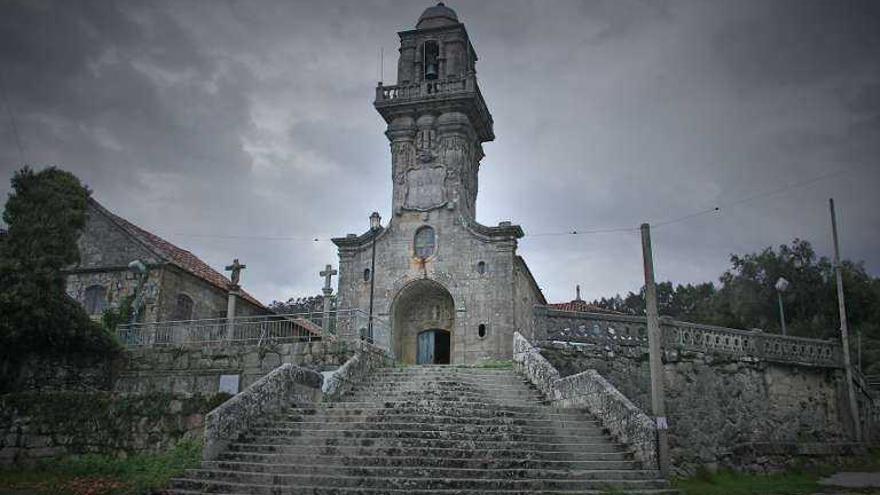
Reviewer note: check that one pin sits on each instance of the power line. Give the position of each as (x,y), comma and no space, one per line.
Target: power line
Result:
(706,211)
(253,237)
(576,232)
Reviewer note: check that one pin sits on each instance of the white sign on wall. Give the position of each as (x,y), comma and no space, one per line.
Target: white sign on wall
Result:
(229,384)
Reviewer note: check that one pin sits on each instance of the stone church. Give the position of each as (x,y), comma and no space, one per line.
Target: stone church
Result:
(452,290)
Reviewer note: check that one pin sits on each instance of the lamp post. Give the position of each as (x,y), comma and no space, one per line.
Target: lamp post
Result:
(375,226)
(781,286)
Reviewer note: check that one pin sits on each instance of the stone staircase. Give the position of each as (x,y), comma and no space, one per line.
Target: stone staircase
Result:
(428,429)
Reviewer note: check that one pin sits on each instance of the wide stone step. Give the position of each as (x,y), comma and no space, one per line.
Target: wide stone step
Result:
(445,462)
(404,441)
(446,370)
(417,470)
(356,421)
(540,413)
(439,384)
(431,425)
(407,395)
(427,390)
(499,414)
(605,452)
(422,434)
(449,400)
(464,405)
(444,382)
(278,483)
(319,490)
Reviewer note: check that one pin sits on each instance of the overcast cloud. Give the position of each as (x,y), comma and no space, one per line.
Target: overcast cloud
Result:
(217,124)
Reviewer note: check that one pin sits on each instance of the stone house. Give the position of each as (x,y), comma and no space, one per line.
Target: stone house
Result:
(179,286)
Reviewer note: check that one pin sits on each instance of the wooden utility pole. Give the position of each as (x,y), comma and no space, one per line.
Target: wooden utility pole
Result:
(658,400)
(844,330)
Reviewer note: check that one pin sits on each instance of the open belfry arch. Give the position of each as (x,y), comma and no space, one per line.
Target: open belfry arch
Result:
(434,272)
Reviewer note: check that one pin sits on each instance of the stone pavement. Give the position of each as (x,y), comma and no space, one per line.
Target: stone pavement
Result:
(858,482)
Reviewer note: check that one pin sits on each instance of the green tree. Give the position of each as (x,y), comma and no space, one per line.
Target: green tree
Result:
(746,297)
(45,213)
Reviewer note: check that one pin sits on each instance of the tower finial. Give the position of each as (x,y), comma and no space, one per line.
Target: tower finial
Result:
(578,290)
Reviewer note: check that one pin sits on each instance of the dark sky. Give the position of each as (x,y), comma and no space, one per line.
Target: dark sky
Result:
(219,125)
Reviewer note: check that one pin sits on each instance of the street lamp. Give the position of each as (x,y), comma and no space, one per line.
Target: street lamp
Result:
(781,286)
(375,227)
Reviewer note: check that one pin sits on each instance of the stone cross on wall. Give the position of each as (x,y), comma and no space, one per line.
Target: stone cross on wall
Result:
(328,273)
(236,269)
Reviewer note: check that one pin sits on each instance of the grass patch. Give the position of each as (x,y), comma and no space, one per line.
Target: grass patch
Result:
(95,474)
(728,483)
(498,364)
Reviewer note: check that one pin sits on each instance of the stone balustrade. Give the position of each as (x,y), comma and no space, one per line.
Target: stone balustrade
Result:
(589,390)
(424,89)
(367,359)
(286,385)
(622,330)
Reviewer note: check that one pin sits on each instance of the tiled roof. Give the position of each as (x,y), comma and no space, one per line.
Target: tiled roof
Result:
(581,306)
(181,258)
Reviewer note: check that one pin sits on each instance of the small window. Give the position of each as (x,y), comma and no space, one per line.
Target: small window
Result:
(425,243)
(367,274)
(481,330)
(481,267)
(96,299)
(183,310)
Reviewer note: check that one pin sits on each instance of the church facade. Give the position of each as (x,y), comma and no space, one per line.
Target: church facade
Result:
(451,289)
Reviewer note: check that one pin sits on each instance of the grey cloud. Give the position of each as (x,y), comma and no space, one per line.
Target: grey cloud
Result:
(254,119)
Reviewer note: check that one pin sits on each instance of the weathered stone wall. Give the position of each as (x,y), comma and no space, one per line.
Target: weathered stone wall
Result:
(208,300)
(118,283)
(35,426)
(479,298)
(526,296)
(70,372)
(197,370)
(716,402)
(591,391)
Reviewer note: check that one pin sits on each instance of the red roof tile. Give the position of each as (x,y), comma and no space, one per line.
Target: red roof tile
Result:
(179,257)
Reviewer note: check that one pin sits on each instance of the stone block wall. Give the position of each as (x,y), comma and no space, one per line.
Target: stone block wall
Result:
(716,403)
(36,426)
(69,372)
(197,370)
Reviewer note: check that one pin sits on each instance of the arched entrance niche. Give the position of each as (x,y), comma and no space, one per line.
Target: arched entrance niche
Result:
(423,322)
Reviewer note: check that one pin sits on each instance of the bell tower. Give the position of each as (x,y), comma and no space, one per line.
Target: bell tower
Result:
(437,118)
(446,289)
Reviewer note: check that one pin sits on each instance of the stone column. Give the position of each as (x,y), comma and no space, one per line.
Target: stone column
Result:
(234,292)
(327,290)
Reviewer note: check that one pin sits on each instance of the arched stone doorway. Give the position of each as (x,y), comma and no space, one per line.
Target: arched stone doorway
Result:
(423,315)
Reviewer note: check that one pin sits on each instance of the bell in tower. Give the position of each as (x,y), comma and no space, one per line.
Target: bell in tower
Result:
(432,56)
